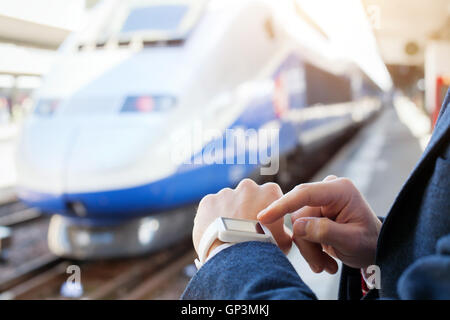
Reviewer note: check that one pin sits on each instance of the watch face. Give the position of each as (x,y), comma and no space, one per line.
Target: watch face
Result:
(242,225)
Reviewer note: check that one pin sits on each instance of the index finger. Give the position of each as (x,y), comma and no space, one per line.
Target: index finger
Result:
(308,194)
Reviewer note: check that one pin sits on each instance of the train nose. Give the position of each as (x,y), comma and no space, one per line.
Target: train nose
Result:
(102,158)
(56,160)
(41,157)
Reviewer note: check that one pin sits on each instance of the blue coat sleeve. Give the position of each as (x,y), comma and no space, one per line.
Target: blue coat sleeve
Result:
(248,271)
(428,277)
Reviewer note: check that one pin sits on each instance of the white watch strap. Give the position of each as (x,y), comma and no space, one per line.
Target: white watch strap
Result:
(210,235)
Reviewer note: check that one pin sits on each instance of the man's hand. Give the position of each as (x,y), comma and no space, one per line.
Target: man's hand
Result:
(244,202)
(330,219)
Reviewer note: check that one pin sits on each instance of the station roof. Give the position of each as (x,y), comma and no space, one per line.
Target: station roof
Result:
(403,27)
(29,33)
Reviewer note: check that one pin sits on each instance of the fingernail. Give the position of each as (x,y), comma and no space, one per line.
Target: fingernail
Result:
(300,227)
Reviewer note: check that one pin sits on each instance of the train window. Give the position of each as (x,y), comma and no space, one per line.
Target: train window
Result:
(323,87)
(155,18)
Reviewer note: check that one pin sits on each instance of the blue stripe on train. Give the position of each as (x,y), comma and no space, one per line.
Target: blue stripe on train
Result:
(175,191)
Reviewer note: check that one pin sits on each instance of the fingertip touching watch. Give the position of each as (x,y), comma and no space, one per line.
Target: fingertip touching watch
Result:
(231,231)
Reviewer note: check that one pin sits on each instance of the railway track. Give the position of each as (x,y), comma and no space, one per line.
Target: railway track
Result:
(14,212)
(13,215)
(23,252)
(19,217)
(134,278)
(30,271)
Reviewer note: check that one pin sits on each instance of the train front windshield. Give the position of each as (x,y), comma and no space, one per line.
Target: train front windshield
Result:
(155,18)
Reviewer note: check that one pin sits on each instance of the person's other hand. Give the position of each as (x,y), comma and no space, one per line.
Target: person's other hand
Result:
(330,219)
(244,202)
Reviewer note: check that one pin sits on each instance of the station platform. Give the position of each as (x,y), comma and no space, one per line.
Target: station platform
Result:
(378,159)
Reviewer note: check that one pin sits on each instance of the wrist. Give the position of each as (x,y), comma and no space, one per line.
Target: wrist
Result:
(214,245)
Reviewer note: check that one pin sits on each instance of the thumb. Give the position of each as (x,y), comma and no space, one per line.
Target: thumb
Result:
(323,231)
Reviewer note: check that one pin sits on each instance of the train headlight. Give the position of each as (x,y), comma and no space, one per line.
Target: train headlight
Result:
(83,238)
(146,104)
(147,230)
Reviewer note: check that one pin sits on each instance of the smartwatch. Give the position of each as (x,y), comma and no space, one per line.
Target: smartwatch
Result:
(231,230)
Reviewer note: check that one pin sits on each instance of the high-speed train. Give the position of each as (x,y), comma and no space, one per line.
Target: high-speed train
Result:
(115,149)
